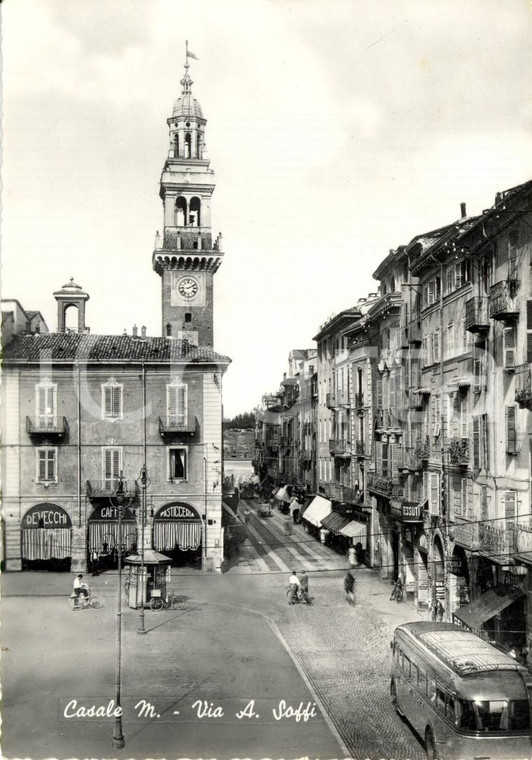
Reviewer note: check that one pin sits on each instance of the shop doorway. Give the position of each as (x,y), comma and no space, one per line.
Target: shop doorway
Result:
(46,538)
(103,539)
(177,533)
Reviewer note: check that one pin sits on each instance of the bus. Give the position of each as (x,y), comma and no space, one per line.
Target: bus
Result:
(465,699)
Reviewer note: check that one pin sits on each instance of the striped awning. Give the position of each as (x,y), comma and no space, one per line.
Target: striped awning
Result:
(334,522)
(357,531)
(106,532)
(167,535)
(317,510)
(47,543)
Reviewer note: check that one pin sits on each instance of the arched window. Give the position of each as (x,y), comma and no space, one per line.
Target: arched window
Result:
(195,211)
(392,285)
(199,147)
(71,318)
(181,212)
(176,145)
(188,145)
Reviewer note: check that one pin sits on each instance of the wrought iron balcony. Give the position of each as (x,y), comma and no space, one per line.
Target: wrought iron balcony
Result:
(497,539)
(522,543)
(340,447)
(422,449)
(459,451)
(46,426)
(103,489)
(407,511)
(467,534)
(384,485)
(502,302)
(523,386)
(172,426)
(476,316)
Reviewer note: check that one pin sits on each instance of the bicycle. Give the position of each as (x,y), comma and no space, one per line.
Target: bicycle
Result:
(171,601)
(83,602)
(301,596)
(397,591)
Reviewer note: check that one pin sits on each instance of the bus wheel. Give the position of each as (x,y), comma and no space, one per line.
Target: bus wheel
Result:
(430,746)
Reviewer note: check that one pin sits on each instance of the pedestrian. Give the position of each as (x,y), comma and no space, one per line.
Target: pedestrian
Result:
(303,583)
(349,586)
(359,551)
(352,556)
(323,535)
(294,585)
(247,514)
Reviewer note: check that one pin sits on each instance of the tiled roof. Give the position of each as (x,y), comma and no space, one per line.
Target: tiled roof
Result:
(101,348)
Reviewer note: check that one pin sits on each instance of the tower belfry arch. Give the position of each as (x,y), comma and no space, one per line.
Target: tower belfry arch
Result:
(187,257)
(71,297)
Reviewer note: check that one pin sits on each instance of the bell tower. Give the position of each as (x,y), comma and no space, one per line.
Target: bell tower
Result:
(186,257)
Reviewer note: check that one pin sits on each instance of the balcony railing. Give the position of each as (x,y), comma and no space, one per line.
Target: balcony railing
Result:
(177,425)
(47,426)
(496,540)
(385,486)
(342,398)
(523,386)
(103,489)
(467,535)
(339,447)
(459,451)
(407,511)
(502,303)
(330,401)
(340,492)
(522,540)
(476,316)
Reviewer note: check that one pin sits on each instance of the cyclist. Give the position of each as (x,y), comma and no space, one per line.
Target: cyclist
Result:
(80,589)
(294,586)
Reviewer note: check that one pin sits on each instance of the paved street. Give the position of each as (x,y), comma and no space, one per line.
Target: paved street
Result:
(236,641)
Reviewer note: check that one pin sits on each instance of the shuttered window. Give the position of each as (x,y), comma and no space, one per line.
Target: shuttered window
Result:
(484,503)
(434,495)
(379,392)
(111,466)
(510,505)
(385,459)
(176,404)
(511,437)
(484,442)
(478,375)
(112,401)
(436,346)
(476,443)
(509,347)
(47,465)
(450,339)
(46,405)
(529,330)
(513,243)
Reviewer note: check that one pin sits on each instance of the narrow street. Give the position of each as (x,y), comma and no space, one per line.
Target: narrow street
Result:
(236,644)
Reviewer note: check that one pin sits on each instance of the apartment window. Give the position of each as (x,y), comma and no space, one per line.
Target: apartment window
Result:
(427,350)
(436,346)
(112,400)
(461,273)
(478,375)
(436,415)
(484,442)
(511,436)
(464,417)
(46,464)
(176,403)
(513,244)
(177,463)
(450,339)
(508,335)
(111,466)
(476,443)
(46,404)
(449,279)
(432,491)
(510,505)
(529,330)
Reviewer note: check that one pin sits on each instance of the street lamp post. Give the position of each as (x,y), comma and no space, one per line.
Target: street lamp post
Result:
(121,499)
(144,482)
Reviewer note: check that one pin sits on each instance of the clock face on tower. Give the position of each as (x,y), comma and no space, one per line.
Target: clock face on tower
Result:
(188,288)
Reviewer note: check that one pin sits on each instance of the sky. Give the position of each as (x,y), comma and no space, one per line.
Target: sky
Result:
(337,130)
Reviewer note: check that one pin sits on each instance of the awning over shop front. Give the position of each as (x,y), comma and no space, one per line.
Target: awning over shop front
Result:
(486,606)
(357,531)
(303,507)
(294,504)
(282,495)
(276,491)
(334,522)
(317,510)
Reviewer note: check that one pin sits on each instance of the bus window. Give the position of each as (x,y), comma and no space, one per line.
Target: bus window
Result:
(465,715)
(406,666)
(414,673)
(422,679)
(492,716)
(520,715)
(431,690)
(440,700)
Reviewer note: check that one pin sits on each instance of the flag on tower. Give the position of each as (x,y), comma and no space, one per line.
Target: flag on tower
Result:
(191,55)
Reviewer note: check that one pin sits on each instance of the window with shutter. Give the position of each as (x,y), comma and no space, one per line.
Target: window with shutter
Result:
(463,493)
(484,515)
(378,457)
(436,346)
(46,405)
(529,330)
(464,418)
(47,465)
(476,443)
(379,392)
(112,400)
(111,466)
(450,278)
(176,403)
(450,339)
(509,347)
(511,438)
(434,497)
(484,442)
(385,458)
(477,375)
(436,422)
(510,505)
(513,243)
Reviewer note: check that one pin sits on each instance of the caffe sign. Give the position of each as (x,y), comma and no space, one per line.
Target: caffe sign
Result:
(46,516)
(177,511)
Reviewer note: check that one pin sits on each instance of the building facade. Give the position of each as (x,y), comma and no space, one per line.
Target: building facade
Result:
(87,415)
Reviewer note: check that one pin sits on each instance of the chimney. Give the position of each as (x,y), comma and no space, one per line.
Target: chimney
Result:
(143,331)
(463,212)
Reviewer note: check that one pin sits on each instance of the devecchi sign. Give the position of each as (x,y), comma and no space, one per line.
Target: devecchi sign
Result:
(46,516)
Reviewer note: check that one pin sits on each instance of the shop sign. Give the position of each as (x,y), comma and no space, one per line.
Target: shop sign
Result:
(109,513)
(177,511)
(456,565)
(46,516)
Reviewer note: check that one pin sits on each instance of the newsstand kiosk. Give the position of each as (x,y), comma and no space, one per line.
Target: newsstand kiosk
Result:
(139,590)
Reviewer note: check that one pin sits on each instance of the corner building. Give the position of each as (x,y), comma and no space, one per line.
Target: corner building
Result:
(82,410)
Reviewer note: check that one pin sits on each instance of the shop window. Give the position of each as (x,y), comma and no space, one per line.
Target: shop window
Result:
(177,463)
(112,393)
(46,464)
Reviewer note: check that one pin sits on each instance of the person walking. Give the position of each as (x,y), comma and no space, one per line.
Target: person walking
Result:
(349,586)
(352,556)
(294,585)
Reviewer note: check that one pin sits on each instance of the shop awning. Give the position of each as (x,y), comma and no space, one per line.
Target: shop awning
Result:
(357,531)
(317,510)
(334,522)
(276,491)
(282,495)
(308,501)
(486,606)
(294,504)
